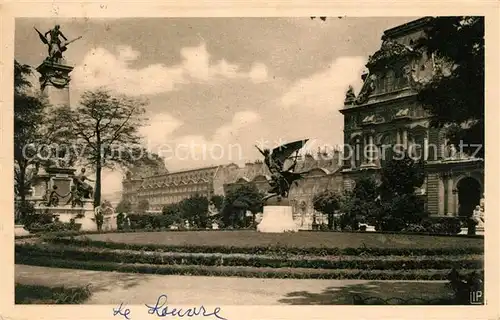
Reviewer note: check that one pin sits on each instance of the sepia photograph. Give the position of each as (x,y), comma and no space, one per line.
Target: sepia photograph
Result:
(253,161)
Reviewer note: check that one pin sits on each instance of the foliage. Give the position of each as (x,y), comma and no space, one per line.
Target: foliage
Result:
(442,225)
(327,202)
(173,214)
(238,201)
(360,204)
(400,206)
(195,211)
(218,201)
(34,294)
(124,206)
(455,94)
(401,177)
(359,263)
(143,206)
(120,221)
(398,213)
(268,260)
(301,243)
(29,115)
(105,131)
(55,226)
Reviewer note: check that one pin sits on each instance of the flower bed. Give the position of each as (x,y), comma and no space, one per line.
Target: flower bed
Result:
(277,248)
(249,260)
(232,271)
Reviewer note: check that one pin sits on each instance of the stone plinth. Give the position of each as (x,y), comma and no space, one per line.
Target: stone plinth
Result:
(277,219)
(54,82)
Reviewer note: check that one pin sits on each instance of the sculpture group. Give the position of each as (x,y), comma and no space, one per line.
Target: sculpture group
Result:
(55,46)
(282,178)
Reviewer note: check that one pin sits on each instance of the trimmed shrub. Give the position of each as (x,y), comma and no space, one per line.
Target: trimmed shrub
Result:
(280,250)
(268,261)
(249,272)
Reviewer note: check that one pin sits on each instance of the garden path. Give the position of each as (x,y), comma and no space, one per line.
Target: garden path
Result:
(112,288)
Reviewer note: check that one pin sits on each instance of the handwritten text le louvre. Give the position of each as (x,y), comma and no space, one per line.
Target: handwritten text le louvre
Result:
(160,309)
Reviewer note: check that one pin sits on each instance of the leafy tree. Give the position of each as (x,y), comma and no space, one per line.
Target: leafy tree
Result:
(195,210)
(327,202)
(359,204)
(454,96)
(400,205)
(173,214)
(218,201)
(401,176)
(124,206)
(238,201)
(28,121)
(104,129)
(143,206)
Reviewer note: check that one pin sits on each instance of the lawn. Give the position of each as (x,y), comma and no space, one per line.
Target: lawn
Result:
(247,239)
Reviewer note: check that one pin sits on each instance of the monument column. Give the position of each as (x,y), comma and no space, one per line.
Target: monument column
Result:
(54,82)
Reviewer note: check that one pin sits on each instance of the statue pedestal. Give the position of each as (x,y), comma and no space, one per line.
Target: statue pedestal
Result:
(20,231)
(277,219)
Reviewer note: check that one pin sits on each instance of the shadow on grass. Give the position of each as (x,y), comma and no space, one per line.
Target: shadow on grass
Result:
(376,293)
(33,294)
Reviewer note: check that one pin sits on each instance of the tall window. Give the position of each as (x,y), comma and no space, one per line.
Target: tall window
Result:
(386,147)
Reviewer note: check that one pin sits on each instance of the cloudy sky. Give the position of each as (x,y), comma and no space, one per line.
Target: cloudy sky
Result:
(222,83)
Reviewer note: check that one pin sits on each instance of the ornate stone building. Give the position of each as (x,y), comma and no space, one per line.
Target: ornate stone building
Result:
(385,113)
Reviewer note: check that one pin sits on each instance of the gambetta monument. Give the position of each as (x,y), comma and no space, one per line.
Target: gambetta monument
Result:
(57,190)
(278,214)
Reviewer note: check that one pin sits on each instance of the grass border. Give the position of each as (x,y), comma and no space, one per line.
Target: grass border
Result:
(247,272)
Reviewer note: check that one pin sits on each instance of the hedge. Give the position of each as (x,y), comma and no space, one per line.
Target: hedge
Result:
(248,272)
(258,261)
(34,294)
(270,249)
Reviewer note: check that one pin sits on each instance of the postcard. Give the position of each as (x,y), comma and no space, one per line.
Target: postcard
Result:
(249,161)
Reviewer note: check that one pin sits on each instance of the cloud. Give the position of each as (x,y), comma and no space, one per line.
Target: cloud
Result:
(325,90)
(258,73)
(159,129)
(102,68)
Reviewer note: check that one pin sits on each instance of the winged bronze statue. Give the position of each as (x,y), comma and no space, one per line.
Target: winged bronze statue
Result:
(55,46)
(282,178)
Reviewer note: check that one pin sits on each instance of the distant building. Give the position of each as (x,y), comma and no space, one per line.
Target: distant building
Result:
(172,187)
(385,113)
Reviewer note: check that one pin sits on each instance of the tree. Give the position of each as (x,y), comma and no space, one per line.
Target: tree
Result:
(104,128)
(359,204)
(143,206)
(28,121)
(400,206)
(454,96)
(218,201)
(195,210)
(238,201)
(327,202)
(401,176)
(124,206)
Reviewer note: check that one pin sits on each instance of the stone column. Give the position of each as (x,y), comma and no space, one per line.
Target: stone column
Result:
(398,137)
(451,196)
(405,138)
(441,195)
(371,146)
